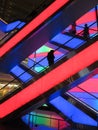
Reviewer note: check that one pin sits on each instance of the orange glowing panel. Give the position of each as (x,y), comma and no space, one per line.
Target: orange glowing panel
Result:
(51,79)
(49,11)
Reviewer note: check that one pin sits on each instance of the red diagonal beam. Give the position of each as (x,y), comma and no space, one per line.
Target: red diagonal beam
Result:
(49,11)
(51,79)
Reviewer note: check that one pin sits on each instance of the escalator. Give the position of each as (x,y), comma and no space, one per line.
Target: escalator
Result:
(29,95)
(79,104)
(80,95)
(33,33)
(73,113)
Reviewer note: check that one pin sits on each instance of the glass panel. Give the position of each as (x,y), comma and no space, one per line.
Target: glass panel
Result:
(7,88)
(87,92)
(25,77)
(75,43)
(61,38)
(38,68)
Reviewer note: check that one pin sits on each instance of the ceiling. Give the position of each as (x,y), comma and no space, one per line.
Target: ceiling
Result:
(12,10)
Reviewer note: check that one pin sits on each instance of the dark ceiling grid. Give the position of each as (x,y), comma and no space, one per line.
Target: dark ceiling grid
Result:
(12,10)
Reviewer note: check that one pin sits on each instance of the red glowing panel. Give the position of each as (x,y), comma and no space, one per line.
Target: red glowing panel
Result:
(43,54)
(56,5)
(88,17)
(51,79)
(90,85)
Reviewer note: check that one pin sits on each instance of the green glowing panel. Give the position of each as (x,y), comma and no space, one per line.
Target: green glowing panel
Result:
(43,49)
(45,105)
(39,69)
(43,121)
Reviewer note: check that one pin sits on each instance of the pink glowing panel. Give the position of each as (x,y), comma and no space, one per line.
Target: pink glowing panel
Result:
(43,54)
(51,79)
(49,11)
(88,17)
(90,85)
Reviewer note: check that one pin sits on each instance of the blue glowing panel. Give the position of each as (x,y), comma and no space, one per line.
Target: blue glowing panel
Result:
(95,76)
(87,92)
(17,70)
(25,119)
(57,57)
(31,63)
(75,43)
(13,25)
(72,112)
(25,77)
(44,62)
(21,74)
(61,38)
(39,58)
(71,42)
(82,95)
(2,26)
(93,103)
(86,98)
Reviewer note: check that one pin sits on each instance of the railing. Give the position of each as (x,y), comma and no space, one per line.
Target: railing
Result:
(21,85)
(85,97)
(17,28)
(35,120)
(59,46)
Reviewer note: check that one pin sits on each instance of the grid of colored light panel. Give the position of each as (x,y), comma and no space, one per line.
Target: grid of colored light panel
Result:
(51,79)
(49,11)
(17,24)
(68,40)
(87,92)
(40,56)
(41,53)
(21,74)
(44,118)
(89,18)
